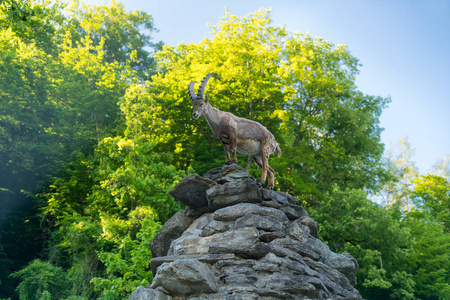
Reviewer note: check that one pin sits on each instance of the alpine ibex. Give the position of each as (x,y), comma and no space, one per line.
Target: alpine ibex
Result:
(236,134)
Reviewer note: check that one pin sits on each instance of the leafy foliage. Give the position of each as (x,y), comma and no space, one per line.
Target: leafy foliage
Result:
(81,126)
(431,196)
(429,221)
(300,88)
(42,280)
(59,91)
(349,222)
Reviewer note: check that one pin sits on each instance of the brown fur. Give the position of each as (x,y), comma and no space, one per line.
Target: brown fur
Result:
(237,134)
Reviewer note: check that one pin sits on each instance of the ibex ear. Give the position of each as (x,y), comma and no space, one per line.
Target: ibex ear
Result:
(206,98)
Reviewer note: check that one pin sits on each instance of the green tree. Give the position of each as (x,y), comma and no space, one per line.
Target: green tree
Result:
(17,12)
(60,84)
(42,280)
(126,37)
(106,227)
(349,222)
(398,188)
(429,222)
(431,197)
(442,167)
(299,87)
(430,262)
(59,88)
(26,116)
(425,209)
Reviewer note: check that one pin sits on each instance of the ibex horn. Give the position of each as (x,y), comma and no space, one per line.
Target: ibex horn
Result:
(192,91)
(203,84)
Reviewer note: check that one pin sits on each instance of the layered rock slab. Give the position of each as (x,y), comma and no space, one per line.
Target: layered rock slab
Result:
(236,240)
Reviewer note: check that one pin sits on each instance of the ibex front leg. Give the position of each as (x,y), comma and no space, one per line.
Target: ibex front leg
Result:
(229,143)
(226,148)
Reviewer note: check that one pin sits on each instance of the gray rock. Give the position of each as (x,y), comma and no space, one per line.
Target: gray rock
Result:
(191,190)
(196,244)
(281,197)
(292,211)
(265,223)
(198,225)
(267,237)
(184,277)
(246,243)
(302,248)
(171,230)
(344,263)
(334,280)
(234,212)
(285,263)
(214,227)
(245,250)
(262,293)
(273,195)
(311,224)
(194,231)
(142,293)
(291,199)
(232,173)
(298,231)
(206,258)
(306,286)
(228,296)
(213,174)
(239,191)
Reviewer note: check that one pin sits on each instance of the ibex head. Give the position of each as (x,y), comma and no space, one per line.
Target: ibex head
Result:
(198,102)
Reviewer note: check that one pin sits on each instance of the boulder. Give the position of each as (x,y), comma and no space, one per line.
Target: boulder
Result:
(237,240)
(171,230)
(260,222)
(191,190)
(213,174)
(234,212)
(142,293)
(184,277)
(232,173)
(230,193)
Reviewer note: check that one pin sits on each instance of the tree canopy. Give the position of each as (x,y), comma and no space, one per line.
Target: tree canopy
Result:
(96,128)
(301,88)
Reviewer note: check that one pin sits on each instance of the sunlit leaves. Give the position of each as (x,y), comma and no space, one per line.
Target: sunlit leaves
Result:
(128,265)
(125,36)
(301,88)
(431,196)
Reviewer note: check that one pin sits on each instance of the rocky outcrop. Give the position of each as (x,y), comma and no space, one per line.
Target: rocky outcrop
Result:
(236,240)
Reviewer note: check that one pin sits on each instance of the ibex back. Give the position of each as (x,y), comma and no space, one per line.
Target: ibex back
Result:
(236,134)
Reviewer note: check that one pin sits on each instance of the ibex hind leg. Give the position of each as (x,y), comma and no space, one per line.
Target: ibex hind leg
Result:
(271,174)
(268,171)
(258,161)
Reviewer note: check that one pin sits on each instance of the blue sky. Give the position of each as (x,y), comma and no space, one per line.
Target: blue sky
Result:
(403,46)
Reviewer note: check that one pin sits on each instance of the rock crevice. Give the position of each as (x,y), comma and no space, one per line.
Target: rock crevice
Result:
(236,240)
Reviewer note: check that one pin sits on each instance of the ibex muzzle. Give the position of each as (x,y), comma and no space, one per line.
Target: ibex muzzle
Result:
(236,134)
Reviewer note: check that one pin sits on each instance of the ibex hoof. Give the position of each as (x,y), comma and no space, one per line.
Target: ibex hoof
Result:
(270,187)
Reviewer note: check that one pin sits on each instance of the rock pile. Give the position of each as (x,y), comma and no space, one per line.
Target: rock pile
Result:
(236,240)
